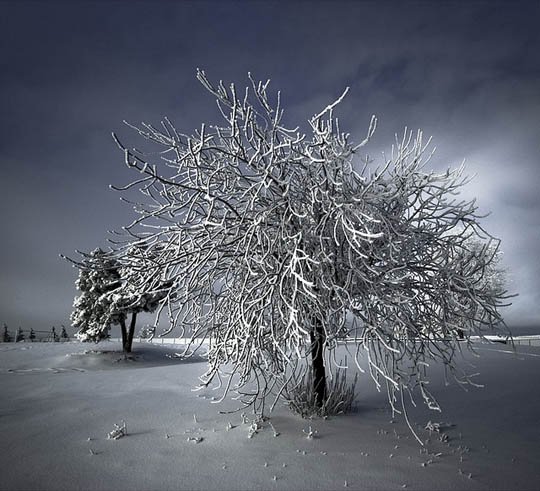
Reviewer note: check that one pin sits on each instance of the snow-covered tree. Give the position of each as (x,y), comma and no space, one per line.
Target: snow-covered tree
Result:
(280,244)
(53,336)
(111,290)
(482,261)
(99,275)
(64,335)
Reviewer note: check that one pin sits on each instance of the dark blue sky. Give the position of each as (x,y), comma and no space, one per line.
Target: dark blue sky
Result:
(467,73)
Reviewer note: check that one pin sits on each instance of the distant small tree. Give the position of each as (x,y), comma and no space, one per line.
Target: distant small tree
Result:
(53,335)
(111,290)
(7,335)
(64,335)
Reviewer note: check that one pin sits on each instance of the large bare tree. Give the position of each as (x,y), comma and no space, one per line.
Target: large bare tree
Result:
(281,244)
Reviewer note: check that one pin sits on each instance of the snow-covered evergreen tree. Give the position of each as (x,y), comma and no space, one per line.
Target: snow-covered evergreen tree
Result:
(279,245)
(92,314)
(111,290)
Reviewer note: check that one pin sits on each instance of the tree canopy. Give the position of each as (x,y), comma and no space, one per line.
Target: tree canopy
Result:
(279,244)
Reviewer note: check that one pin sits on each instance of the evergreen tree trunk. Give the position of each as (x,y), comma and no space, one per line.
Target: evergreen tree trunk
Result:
(124,333)
(130,333)
(317,338)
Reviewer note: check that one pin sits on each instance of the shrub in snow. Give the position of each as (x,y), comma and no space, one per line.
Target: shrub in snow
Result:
(279,244)
(301,396)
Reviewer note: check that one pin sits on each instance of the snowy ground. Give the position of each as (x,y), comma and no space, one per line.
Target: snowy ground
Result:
(58,404)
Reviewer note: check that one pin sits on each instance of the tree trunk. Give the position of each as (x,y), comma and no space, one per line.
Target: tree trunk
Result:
(129,341)
(317,338)
(124,333)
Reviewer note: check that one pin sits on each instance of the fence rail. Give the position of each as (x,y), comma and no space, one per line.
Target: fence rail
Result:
(158,340)
(518,340)
(52,336)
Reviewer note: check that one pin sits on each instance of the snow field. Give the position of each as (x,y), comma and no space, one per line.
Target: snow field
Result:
(60,401)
